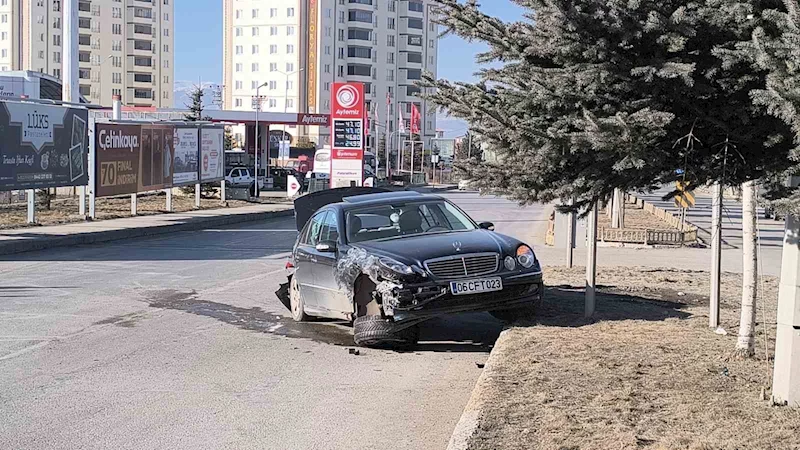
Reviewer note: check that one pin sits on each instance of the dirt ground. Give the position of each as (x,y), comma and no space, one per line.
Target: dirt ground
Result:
(635,219)
(65,210)
(646,373)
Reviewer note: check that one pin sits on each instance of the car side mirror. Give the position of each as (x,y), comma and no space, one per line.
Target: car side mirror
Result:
(486,226)
(326,247)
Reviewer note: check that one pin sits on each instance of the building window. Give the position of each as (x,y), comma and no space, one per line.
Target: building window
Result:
(116,28)
(254,67)
(415,6)
(273,85)
(238,85)
(254,31)
(255,14)
(254,84)
(290,30)
(238,67)
(273,12)
(255,49)
(273,31)
(273,49)
(289,49)
(239,49)
(238,13)
(238,31)
(273,103)
(415,23)
(390,40)
(273,67)
(289,67)
(238,102)
(289,103)
(289,12)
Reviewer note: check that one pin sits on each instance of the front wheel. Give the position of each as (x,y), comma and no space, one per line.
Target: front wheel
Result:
(375,331)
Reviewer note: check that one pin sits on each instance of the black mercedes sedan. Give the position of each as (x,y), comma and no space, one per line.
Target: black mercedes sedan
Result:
(391,260)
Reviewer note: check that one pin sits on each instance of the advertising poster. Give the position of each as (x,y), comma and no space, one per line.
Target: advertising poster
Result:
(347,151)
(212,154)
(42,146)
(157,154)
(185,162)
(118,151)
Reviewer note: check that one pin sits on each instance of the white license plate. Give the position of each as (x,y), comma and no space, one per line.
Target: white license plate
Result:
(476,286)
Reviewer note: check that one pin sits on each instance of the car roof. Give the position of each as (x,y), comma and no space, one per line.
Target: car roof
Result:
(385,198)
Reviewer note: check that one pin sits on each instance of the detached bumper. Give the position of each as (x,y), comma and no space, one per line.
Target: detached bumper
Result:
(426,300)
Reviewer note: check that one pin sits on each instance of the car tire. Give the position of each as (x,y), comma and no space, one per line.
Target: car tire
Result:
(375,331)
(296,303)
(514,314)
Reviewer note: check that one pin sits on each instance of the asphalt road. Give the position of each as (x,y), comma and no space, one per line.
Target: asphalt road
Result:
(179,342)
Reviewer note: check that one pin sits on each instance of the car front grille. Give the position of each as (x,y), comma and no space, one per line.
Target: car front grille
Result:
(463,266)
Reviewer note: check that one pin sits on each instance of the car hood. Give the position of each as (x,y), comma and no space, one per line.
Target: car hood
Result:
(414,250)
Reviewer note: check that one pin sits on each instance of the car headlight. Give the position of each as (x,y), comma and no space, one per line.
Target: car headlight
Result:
(525,256)
(395,266)
(510,263)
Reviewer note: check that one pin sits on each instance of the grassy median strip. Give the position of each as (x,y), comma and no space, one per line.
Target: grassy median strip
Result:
(646,372)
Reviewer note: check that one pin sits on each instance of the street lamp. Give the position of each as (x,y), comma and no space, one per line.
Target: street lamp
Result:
(258,138)
(286,94)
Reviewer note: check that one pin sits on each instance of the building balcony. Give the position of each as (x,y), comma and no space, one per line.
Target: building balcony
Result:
(410,9)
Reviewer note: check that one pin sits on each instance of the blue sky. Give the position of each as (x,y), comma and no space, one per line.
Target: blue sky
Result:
(198,42)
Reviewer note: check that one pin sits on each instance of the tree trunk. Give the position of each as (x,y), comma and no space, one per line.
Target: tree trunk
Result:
(745,345)
(618,209)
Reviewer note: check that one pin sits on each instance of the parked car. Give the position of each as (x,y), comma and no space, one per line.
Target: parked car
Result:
(465,185)
(392,260)
(243,177)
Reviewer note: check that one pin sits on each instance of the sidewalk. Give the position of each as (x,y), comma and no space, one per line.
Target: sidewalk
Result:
(39,238)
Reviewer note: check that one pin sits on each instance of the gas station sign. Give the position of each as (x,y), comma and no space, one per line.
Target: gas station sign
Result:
(347,149)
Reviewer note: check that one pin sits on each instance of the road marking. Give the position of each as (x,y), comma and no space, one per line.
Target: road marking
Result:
(243,280)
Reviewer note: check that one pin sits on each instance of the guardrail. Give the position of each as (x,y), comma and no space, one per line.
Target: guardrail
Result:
(683,232)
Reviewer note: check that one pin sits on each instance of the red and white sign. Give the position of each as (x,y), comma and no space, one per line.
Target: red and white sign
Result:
(292,186)
(347,143)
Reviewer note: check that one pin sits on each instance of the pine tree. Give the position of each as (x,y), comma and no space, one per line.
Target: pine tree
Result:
(195,113)
(774,48)
(228,140)
(590,95)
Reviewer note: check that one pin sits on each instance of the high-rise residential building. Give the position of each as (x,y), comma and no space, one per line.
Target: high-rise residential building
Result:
(125,46)
(296,50)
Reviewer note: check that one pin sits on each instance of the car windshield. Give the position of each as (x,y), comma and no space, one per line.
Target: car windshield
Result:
(405,219)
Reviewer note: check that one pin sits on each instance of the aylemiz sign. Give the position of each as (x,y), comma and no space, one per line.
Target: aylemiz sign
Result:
(347,155)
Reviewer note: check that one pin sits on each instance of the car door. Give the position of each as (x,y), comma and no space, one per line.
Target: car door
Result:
(306,259)
(331,297)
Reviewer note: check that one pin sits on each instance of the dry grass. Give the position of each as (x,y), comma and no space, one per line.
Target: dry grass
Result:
(646,373)
(65,210)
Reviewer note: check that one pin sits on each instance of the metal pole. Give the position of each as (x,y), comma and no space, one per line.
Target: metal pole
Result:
(69,68)
(197,195)
(591,263)
(570,237)
(716,255)
(413,147)
(257,138)
(92,172)
(31,194)
(469,146)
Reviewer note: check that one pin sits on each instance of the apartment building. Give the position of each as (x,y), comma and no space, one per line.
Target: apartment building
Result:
(296,49)
(125,46)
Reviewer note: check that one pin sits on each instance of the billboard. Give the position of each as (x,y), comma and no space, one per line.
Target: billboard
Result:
(185,161)
(118,153)
(212,154)
(158,144)
(42,146)
(311,66)
(347,149)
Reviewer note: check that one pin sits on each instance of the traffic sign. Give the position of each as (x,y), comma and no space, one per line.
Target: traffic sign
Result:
(685,198)
(292,186)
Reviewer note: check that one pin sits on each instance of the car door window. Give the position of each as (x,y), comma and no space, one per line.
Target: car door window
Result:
(315,227)
(331,228)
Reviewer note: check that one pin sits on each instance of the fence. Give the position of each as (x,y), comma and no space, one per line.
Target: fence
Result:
(682,233)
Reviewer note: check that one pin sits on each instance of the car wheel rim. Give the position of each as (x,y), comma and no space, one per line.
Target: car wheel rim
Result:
(295,298)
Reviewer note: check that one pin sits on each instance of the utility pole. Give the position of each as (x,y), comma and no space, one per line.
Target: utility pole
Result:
(70,92)
(716,255)
(786,376)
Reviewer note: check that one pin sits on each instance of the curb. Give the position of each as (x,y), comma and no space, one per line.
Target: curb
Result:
(29,245)
(471,417)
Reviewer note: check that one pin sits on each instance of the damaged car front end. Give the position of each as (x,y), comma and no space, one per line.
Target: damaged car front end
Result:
(393,260)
